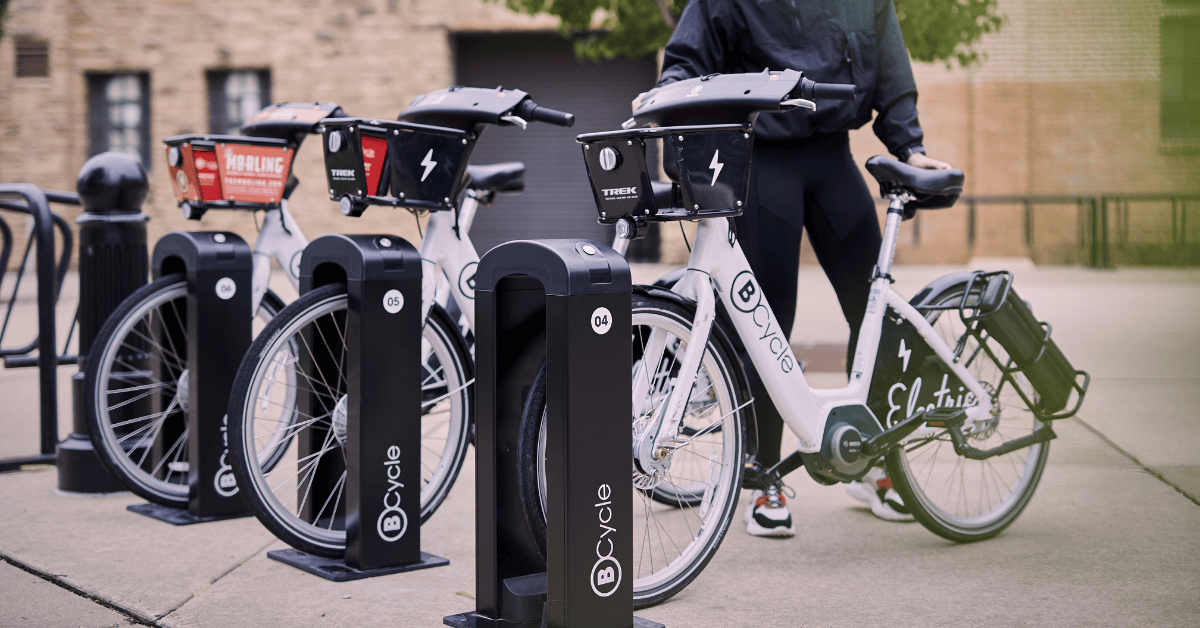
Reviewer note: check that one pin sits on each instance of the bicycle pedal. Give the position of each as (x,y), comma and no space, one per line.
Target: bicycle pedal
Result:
(945,417)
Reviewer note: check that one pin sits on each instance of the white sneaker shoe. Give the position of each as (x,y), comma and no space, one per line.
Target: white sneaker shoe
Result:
(876,491)
(768,515)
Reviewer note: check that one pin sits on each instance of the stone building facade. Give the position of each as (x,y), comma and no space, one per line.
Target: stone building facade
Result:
(1069,100)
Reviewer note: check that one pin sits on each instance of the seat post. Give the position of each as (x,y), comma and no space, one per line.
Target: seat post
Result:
(891,229)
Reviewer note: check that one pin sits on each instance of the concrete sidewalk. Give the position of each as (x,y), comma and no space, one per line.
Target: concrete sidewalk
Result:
(1105,541)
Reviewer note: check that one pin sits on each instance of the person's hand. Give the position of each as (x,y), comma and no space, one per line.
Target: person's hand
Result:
(920,160)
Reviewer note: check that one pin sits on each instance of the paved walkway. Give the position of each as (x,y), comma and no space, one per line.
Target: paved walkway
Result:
(1109,539)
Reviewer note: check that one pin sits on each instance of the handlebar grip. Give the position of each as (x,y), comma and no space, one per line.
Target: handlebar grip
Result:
(825,91)
(532,112)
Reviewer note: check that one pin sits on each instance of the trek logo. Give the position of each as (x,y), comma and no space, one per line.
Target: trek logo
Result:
(224,481)
(619,194)
(606,573)
(429,164)
(716,167)
(746,296)
(393,521)
(339,174)
(258,164)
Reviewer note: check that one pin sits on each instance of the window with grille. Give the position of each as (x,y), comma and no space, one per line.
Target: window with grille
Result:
(234,96)
(119,114)
(33,56)
(1181,78)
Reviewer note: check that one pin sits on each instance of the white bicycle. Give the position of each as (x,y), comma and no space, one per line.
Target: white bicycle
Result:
(136,377)
(262,412)
(953,391)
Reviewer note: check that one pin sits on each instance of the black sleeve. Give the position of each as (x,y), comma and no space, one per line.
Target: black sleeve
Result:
(896,124)
(699,45)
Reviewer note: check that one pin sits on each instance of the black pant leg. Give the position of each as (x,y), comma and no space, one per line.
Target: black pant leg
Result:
(848,260)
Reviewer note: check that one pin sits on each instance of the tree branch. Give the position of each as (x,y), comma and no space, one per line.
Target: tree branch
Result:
(665,9)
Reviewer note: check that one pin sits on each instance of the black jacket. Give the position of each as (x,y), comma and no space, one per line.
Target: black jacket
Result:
(831,41)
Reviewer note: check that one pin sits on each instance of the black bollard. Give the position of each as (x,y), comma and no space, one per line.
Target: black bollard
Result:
(113,262)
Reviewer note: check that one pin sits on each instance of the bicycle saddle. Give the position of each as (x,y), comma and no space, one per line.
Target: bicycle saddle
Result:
(505,177)
(933,189)
(290,121)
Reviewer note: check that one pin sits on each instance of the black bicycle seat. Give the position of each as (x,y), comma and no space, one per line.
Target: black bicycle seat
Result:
(933,189)
(664,194)
(505,177)
(290,121)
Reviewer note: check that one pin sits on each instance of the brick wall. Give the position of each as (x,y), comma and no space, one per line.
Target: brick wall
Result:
(1066,102)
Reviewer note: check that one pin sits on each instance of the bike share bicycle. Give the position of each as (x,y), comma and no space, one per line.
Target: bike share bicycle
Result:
(137,384)
(954,391)
(418,163)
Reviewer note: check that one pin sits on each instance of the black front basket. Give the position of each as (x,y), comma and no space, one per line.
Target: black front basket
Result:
(402,164)
(713,162)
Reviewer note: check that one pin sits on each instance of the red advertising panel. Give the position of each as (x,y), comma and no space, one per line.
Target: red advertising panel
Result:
(206,175)
(374,149)
(183,177)
(252,174)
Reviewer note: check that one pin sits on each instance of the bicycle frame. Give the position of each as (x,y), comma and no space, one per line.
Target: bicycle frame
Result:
(718,263)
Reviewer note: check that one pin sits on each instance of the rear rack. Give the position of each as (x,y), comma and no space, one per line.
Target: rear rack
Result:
(228,171)
(713,163)
(401,164)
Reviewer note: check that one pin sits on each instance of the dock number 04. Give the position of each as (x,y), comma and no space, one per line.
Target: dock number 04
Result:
(601,320)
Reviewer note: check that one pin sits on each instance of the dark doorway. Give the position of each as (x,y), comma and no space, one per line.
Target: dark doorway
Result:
(557,201)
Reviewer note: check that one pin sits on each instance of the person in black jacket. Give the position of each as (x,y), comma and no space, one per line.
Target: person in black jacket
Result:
(803,175)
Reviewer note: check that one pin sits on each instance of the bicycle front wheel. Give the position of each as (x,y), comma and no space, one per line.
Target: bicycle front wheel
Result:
(680,517)
(301,499)
(957,498)
(136,389)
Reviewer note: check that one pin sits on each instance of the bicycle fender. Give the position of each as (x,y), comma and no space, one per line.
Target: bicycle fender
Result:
(936,288)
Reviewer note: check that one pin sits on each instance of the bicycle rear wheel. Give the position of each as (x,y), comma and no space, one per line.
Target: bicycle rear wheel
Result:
(136,388)
(957,498)
(301,499)
(679,520)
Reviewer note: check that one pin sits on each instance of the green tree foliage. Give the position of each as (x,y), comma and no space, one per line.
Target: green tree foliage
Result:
(3,14)
(934,30)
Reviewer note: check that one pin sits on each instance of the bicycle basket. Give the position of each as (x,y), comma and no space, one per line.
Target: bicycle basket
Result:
(227,172)
(713,163)
(402,164)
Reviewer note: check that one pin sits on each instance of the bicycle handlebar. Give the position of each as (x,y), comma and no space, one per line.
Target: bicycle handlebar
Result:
(531,111)
(810,90)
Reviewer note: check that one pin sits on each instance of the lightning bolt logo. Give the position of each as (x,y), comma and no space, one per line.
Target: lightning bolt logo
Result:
(429,163)
(716,167)
(905,352)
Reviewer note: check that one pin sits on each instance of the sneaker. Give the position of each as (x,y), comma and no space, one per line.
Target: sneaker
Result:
(767,514)
(876,490)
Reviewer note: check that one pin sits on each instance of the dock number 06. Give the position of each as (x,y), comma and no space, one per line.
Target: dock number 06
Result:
(601,320)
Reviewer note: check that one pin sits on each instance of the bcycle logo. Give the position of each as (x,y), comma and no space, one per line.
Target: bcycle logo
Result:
(224,481)
(466,280)
(746,296)
(392,522)
(606,573)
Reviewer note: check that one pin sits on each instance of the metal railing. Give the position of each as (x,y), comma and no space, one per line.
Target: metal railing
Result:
(1103,225)
(31,200)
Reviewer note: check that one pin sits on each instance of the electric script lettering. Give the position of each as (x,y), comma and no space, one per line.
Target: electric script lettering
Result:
(944,398)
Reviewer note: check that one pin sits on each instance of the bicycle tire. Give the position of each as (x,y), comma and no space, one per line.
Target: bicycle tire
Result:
(1009,411)
(656,586)
(118,341)
(279,517)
